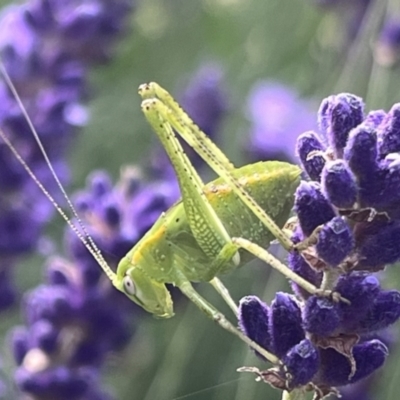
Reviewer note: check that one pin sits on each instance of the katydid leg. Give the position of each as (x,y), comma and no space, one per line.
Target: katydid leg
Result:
(212,313)
(224,293)
(204,222)
(264,255)
(187,130)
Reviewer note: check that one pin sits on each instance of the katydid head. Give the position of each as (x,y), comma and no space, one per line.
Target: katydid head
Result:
(146,292)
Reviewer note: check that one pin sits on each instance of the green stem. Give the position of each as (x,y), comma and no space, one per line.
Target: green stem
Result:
(296,394)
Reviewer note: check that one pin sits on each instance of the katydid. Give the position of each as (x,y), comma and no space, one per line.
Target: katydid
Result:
(215,228)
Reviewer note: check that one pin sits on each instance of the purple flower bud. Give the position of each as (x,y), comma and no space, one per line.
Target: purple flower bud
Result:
(297,264)
(335,241)
(382,247)
(310,150)
(385,311)
(51,303)
(374,118)
(361,290)
(324,114)
(335,368)
(285,323)
(205,99)
(44,336)
(340,114)
(254,320)
(389,177)
(302,362)
(112,214)
(372,190)
(321,316)
(61,382)
(361,151)
(19,339)
(278,116)
(19,231)
(312,207)
(339,184)
(387,48)
(389,132)
(99,183)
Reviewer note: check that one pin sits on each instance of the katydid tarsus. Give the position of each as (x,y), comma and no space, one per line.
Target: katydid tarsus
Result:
(214,228)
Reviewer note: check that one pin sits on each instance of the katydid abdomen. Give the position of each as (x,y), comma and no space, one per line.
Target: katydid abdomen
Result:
(170,244)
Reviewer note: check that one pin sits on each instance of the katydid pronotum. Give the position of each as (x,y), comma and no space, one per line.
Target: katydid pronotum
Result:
(214,228)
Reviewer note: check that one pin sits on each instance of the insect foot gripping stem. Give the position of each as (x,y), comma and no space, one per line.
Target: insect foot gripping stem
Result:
(149,294)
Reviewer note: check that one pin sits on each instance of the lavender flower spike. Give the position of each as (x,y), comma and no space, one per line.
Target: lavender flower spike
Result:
(355,203)
(77,301)
(46,47)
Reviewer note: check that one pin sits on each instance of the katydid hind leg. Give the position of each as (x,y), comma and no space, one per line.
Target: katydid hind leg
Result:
(154,90)
(204,222)
(187,129)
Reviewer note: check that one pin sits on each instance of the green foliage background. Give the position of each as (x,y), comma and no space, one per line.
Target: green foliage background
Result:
(188,357)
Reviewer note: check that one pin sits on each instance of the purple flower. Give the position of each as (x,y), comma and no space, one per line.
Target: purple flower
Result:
(387,47)
(340,114)
(204,98)
(302,361)
(46,47)
(339,184)
(60,351)
(285,323)
(368,356)
(361,151)
(278,116)
(321,362)
(321,316)
(348,228)
(254,318)
(312,207)
(310,150)
(335,241)
(389,132)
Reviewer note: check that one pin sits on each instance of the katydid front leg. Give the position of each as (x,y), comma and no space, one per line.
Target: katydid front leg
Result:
(188,290)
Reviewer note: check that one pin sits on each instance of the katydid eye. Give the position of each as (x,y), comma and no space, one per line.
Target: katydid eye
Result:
(129,286)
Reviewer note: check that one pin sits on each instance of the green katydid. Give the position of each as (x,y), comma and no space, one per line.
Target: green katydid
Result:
(205,233)
(202,235)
